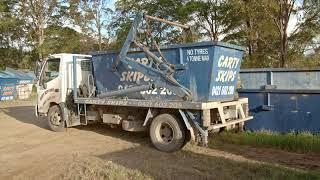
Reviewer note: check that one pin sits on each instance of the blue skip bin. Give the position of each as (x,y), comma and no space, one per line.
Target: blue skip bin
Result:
(208,69)
(282,100)
(8,89)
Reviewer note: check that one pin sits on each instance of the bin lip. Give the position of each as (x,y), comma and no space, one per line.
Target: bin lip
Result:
(257,70)
(175,46)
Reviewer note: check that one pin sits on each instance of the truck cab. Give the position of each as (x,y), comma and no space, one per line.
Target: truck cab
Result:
(55,79)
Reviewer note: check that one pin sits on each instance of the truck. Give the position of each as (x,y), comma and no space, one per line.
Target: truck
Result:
(178,93)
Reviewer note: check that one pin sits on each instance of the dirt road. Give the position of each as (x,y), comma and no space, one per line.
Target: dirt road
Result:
(28,150)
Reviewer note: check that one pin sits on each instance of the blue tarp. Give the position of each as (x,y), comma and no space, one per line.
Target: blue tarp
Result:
(23,77)
(10,78)
(7,86)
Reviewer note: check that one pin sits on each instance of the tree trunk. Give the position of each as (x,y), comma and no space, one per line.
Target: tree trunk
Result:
(284,50)
(40,43)
(249,38)
(286,7)
(100,40)
(249,29)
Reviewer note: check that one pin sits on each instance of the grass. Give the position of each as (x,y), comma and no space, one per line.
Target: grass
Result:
(91,168)
(246,170)
(222,168)
(264,171)
(303,142)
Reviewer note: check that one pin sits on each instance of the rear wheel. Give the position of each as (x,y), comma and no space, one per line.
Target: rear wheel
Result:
(55,119)
(167,133)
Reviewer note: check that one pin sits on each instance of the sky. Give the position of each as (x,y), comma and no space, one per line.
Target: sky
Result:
(294,19)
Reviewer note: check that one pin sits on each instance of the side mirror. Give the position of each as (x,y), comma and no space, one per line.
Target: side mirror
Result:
(44,85)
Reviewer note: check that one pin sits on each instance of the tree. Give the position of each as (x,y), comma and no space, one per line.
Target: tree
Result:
(61,39)
(293,44)
(265,32)
(256,31)
(92,17)
(37,15)
(280,11)
(216,19)
(305,37)
(11,35)
(283,12)
(162,33)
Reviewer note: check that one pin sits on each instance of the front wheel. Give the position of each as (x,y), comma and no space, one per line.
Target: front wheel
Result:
(55,119)
(167,133)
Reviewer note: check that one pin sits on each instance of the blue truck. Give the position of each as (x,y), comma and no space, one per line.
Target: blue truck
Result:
(178,93)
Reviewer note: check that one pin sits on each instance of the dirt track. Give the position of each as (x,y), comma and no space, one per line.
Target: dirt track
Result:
(28,150)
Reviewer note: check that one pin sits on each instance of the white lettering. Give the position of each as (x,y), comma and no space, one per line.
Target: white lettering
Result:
(198,55)
(222,90)
(228,62)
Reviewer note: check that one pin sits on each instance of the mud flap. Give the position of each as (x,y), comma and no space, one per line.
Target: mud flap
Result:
(203,133)
(70,120)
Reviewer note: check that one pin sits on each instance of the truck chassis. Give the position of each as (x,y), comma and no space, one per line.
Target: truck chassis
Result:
(198,117)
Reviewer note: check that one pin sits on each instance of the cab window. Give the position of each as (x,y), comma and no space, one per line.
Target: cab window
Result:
(51,70)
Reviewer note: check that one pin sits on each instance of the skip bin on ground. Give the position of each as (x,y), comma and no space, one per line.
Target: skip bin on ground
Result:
(282,100)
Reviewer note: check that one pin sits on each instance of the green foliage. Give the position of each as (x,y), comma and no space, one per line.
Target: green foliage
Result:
(214,18)
(30,30)
(61,39)
(92,17)
(164,34)
(10,35)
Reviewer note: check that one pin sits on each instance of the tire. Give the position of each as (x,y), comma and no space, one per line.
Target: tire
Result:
(55,119)
(167,133)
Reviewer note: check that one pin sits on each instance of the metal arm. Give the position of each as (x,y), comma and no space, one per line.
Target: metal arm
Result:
(162,72)
(167,22)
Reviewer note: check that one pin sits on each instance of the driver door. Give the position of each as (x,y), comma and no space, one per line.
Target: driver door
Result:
(48,86)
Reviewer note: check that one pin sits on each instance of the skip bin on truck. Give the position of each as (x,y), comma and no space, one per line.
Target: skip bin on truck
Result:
(177,93)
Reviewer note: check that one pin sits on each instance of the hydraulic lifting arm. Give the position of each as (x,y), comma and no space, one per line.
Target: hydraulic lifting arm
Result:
(159,70)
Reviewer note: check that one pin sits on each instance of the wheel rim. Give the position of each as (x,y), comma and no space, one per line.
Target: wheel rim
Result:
(166,133)
(56,119)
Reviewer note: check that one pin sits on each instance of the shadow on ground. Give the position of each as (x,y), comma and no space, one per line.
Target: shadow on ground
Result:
(142,138)
(190,164)
(25,114)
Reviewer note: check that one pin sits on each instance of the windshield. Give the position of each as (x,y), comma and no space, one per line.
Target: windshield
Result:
(51,70)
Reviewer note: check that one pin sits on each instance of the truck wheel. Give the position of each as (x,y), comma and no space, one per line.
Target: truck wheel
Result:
(55,119)
(167,133)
